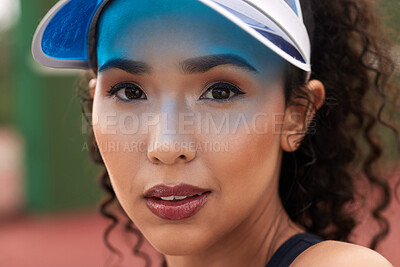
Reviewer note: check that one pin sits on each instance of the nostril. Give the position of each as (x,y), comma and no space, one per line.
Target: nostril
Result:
(158,156)
(155,160)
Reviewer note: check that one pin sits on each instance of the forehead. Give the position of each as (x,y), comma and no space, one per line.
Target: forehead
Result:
(141,30)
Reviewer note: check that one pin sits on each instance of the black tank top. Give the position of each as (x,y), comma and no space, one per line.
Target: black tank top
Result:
(292,248)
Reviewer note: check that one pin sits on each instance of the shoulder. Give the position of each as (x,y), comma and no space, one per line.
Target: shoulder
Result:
(335,253)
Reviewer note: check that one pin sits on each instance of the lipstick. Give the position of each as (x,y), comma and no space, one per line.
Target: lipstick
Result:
(177,202)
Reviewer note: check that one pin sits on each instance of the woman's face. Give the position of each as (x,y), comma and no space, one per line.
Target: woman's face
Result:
(185,97)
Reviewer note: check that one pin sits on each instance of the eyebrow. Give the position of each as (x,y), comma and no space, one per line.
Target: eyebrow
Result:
(131,66)
(188,66)
(205,63)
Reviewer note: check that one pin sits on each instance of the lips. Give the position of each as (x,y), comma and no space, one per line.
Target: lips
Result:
(179,190)
(176,203)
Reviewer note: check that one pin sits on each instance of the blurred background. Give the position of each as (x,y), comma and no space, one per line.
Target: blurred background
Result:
(48,187)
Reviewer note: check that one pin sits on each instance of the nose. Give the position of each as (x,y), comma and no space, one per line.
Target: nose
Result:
(168,143)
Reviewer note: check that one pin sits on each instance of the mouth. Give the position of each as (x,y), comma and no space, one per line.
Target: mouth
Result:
(178,198)
(176,203)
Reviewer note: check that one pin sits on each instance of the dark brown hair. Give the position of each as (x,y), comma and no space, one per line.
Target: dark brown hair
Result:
(350,56)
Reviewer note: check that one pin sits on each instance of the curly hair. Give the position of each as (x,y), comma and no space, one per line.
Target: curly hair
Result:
(351,57)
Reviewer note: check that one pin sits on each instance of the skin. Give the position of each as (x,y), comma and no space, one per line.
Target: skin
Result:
(243,221)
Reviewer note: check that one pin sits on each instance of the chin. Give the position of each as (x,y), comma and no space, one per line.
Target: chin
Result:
(176,250)
(179,243)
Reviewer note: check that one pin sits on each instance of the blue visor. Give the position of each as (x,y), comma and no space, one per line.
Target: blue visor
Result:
(65,37)
(61,40)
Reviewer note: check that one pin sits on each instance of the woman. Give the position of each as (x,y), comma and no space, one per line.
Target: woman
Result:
(228,128)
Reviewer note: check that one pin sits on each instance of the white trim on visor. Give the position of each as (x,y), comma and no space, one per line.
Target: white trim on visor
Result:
(286,24)
(285,18)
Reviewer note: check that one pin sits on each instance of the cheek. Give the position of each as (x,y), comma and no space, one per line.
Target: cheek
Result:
(250,157)
(119,144)
(247,170)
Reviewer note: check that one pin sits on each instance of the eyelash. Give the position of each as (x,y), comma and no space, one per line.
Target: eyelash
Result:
(220,84)
(226,85)
(113,92)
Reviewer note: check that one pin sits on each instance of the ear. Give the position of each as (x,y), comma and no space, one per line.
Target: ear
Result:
(294,127)
(92,86)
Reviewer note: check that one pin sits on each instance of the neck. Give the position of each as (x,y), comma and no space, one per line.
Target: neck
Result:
(251,244)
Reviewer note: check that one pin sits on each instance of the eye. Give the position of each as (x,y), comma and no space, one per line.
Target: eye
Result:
(222,91)
(127,92)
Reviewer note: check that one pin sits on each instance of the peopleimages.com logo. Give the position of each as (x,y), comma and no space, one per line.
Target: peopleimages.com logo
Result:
(130,123)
